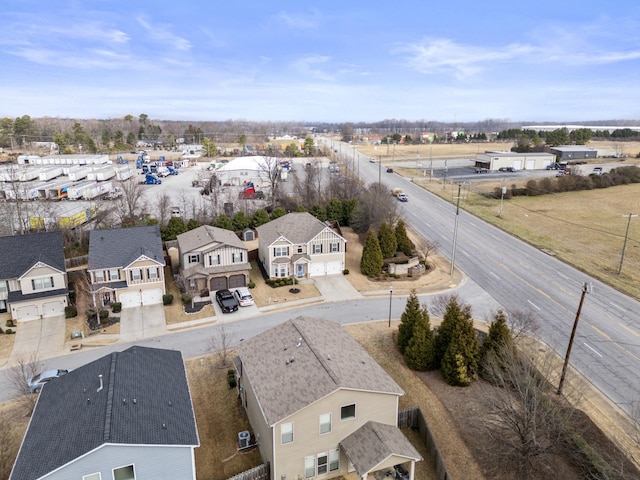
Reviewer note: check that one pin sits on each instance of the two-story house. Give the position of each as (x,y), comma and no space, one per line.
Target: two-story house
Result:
(126,265)
(125,416)
(33,278)
(319,405)
(212,259)
(299,245)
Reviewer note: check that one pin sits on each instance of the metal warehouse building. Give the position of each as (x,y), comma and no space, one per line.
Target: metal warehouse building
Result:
(574,152)
(519,161)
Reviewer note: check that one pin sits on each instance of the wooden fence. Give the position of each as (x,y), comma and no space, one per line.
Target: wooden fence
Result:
(413,418)
(261,472)
(74,262)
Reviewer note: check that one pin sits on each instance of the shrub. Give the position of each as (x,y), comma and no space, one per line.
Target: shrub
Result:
(186,299)
(167,299)
(104,314)
(10,323)
(231,378)
(1,331)
(252,284)
(91,313)
(281,283)
(70,311)
(8,331)
(116,307)
(345,271)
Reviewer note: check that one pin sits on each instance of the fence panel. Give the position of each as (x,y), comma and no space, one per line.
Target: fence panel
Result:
(261,472)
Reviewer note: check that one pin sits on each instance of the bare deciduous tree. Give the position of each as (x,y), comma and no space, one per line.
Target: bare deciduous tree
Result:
(163,205)
(131,203)
(220,344)
(522,323)
(425,247)
(7,448)
(27,365)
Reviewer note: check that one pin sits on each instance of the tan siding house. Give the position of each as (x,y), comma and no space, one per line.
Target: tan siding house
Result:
(308,387)
(299,245)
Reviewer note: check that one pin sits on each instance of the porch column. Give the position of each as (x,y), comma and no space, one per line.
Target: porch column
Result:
(412,469)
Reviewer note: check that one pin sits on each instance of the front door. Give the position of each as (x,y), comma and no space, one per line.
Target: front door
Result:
(106,298)
(300,270)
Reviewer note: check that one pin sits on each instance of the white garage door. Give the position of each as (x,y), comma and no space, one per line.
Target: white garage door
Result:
(28,312)
(316,269)
(53,309)
(151,297)
(130,299)
(334,267)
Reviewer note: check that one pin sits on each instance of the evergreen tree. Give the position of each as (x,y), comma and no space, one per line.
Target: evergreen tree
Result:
(449,320)
(371,263)
(223,222)
(460,362)
(240,221)
(278,212)
(497,341)
(387,239)
(404,244)
(348,206)
(192,224)
(419,353)
(334,210)
(454,368)
(407,321)
(175,226)
(319,212)
(259,217)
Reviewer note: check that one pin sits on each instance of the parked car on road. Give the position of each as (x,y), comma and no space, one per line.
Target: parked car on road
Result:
(482,170)
(389,170)
(243,296)
(38,381)
(227,301)
(506,169)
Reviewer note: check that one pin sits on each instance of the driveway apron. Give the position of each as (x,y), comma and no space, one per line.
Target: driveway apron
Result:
(336,288)
(142,322)
(43,338)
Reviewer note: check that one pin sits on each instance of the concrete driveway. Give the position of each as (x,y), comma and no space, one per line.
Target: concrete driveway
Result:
(142,322)
(336,288)
(43,338)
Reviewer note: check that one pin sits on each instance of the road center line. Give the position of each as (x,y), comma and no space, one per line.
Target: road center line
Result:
(533,305)
(617,306)
(494,275)
(593,350)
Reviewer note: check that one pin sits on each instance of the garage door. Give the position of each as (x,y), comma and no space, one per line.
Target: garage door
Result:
(53,309)
(130,299)
(218,283)
(28,312)
(316,269)
(334,267)
(151,297)
(236,281)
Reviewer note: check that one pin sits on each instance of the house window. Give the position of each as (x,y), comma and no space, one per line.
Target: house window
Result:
(334,460)
(114,274)
(325,423)
(99,276)
(42,283)
(3,306)
(280,251)
(286,433)
(309,467)
(317,248)
(335,247)
(322,463)
(3,286)
(93,476)
(348,412)
(237,257)
(136,274)
(214,259)
(299,249)
(195,258)
(282,271)
(124,473)
(152,273)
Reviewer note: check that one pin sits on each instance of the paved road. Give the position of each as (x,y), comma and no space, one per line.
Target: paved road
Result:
(517,276)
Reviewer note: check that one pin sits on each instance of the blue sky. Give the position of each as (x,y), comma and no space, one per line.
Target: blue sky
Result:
(335,62)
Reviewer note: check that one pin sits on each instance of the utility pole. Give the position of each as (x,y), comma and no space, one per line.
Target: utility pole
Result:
(624,245)
(585,288)
(455,233)
(503,190)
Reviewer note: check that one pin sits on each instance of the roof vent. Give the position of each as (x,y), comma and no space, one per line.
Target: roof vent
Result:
(135,401)
(164,426)
(170,404)
(124,401)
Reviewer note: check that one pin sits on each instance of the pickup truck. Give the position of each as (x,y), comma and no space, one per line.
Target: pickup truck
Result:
(399,194)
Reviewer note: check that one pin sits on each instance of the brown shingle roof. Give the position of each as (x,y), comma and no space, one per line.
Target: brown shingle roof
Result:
(297,227)
(304,359)
(206,235)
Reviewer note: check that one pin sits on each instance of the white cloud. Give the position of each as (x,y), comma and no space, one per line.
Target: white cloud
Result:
(298,20)
(161,33)
(309,66)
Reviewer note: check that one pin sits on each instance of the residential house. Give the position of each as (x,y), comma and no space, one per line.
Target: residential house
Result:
(125,416)
(319,405)
(33,278)
(126,265)
(300,245)
(212,259)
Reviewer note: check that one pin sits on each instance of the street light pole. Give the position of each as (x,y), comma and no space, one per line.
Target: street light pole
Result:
(390,297)
(624,245)
(585,287)
(455,233)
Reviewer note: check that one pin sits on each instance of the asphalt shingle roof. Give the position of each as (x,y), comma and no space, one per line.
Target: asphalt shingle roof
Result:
(373,443)
(297,227)
(304,359)
(145,400)
(119,247)
(21,252)
(207,235)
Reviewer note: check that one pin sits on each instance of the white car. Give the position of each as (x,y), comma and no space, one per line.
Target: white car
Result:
(243,296)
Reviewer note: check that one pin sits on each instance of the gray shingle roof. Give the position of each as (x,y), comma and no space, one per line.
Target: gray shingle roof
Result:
(119,247)
(21,252)
(145,400)
(206,235)
(373,443)
(325,358)
(297,227)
